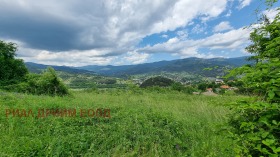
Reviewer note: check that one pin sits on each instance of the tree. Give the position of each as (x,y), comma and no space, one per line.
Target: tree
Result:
(157,81)
(202,86)
(14,75)
(50,84)
(11,70)
(108,81)
(177,86)
(256,124)
(47,83)
(263,77)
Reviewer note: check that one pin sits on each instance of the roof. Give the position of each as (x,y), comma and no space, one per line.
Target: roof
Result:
(219,79)
(225,87)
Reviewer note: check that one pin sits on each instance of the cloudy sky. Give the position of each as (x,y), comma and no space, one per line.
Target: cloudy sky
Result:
(117,32)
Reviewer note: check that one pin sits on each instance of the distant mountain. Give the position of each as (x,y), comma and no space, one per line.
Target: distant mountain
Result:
(111,70)
(191,65)
(37,68)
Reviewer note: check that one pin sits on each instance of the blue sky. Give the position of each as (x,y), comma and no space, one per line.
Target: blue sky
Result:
(75,33)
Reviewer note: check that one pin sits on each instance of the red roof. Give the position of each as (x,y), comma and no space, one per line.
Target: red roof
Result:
(225,87)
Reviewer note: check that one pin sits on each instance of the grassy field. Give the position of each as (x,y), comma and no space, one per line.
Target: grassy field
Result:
(142,123)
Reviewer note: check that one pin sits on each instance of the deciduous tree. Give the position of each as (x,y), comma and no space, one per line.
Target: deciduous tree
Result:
(12,70)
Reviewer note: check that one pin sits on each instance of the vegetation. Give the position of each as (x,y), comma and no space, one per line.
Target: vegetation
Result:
(147,123)
(157,118)
(157,81)
(14,75)
(256,124)
(12,70)
(193,66)
(47,83)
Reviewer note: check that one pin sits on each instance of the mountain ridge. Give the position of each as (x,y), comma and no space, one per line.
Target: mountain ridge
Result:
(191,65)
(38,68)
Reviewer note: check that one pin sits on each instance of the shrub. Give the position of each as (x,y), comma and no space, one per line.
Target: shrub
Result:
(256,125)
(177,86)
(47,83)
(256,129)
(157,81)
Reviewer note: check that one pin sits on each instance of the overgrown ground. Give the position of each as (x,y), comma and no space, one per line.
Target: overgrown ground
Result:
(142,123)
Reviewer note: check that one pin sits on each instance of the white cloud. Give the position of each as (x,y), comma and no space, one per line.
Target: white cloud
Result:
(95,32)
(179,16)
(223,26)
(232,40)
(164,36)
(271,14)
(110,23)
(193,52)
(67,58)
(244,3)
(183,34)
(198,28)
(228,13)
(136,58)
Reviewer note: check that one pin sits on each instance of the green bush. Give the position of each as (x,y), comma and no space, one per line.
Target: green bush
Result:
(256,124)
(256,129)
(47,83)
(177,86)
(157,81)
(189,90)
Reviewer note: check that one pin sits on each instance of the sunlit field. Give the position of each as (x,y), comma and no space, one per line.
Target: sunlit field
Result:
(140,123)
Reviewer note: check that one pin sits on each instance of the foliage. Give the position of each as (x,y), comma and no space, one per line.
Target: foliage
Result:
(14,75)
(256,129)
(12,70)
(193,66)
(177,86)
(47,83)
(108,81)
(147,124)
(256,124)
(202,86)
(189,90)
(264,76)
(157,81)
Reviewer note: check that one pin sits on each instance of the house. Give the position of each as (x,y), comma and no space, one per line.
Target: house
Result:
(225,87)
(209,90)
(219,81)
(233,88)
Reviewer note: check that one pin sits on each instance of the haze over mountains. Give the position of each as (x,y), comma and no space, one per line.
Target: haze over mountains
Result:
(191,65)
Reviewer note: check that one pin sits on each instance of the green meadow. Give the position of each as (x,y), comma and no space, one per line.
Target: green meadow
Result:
(141,123)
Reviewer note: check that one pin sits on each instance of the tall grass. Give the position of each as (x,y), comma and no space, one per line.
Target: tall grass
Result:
(142,123)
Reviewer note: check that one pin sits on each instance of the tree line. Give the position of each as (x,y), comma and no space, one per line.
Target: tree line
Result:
(14,76)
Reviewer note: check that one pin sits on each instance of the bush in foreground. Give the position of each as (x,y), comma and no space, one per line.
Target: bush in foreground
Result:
(47,83)
(256,124)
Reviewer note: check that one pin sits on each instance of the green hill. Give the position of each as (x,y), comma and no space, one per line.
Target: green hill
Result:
(189,65)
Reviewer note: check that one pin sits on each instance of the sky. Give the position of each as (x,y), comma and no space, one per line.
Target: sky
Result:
(122,32)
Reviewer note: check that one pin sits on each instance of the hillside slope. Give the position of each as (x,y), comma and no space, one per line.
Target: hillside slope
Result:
(190,65)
